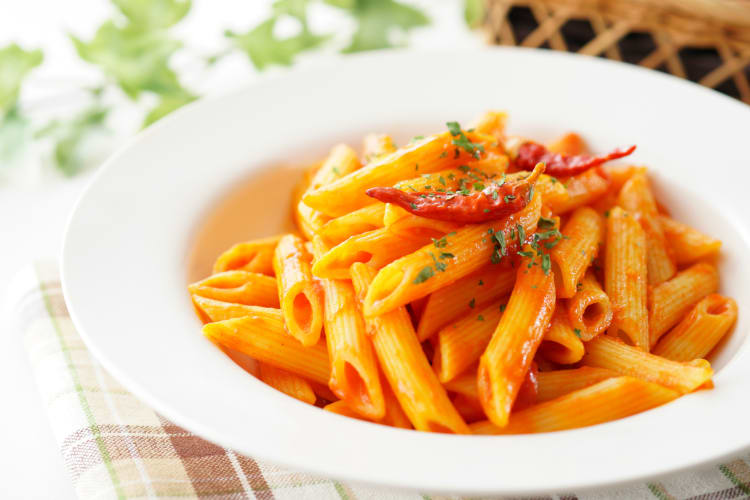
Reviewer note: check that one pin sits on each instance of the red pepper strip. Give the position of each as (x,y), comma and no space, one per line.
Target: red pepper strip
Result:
(531,153)
(479,206)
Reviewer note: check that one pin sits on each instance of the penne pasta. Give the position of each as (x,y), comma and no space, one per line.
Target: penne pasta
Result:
(394,415)
(509,354)
(625,277)
(636,197)
(688,245)
(604,401)
(460,344)
(340,407)
(492,123)
(288,383)
(254,256)
(473,291)
(375,248)
(262,336)
(341,161)
(469,409)
(699,332)
(671,300)
(620,174)
(561,343)
(405,365)
(216,310)
(582,189)
(360,221)
(299,295)
(568,144)
(615,355)
(574,254)
(419,273)
(454,282)
(354,369)
(553,384)
(465,384)
(590,310)
(241,287)
(375,146)
(429,155)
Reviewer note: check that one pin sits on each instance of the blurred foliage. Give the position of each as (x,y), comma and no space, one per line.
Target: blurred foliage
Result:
(376,21)
(70,136)
(474,12)
(134,48)
(15,64)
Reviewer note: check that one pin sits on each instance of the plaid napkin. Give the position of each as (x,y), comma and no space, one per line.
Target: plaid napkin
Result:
(114,446)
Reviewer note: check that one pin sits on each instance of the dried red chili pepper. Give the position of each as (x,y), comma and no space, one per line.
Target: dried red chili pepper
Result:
(496,201)
(531,153)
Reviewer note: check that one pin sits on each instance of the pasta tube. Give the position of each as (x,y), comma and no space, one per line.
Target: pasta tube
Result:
(394,415)
(405,365)
(590,310)
(492,123)
(429,155)
(613,354)
(241,287)
(354,369)
(624,277)
(288,383)
(436,265)
(460,344)
(360,221)
(341,161)
(636,197)
(583,189)
(688,245)
(473,291)
(216,310)
(553,384)
(604,401)
(699,332)
(670,301)
(375,146)
(509,354)
(298,294)
(573,255)
(254,256)
(262,336)
(375,248)
(561,344)
(570,144)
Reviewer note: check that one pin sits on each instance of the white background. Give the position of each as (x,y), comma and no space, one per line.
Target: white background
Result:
(35,202)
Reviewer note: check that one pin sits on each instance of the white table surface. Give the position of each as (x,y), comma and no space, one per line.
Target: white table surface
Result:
(34,205)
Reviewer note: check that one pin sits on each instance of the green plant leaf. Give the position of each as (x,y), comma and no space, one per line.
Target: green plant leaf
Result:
(15,64)
(166,105)
(474,12)
(71,136)
(377,19)
(341,4)
(294,8)
(265,49)
(153,14)
(13,136)
(136,59)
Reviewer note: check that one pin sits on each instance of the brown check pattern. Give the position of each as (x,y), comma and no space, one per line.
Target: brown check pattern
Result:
(114,446)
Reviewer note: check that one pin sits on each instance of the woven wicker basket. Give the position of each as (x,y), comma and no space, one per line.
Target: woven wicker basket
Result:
(707,41)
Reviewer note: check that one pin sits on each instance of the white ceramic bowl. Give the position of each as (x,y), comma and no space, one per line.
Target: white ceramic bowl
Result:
(130,249)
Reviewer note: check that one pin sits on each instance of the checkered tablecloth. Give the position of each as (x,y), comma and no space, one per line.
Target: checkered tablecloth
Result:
(114,446)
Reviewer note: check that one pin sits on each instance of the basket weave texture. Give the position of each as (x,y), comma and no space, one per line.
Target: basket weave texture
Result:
(706,41)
